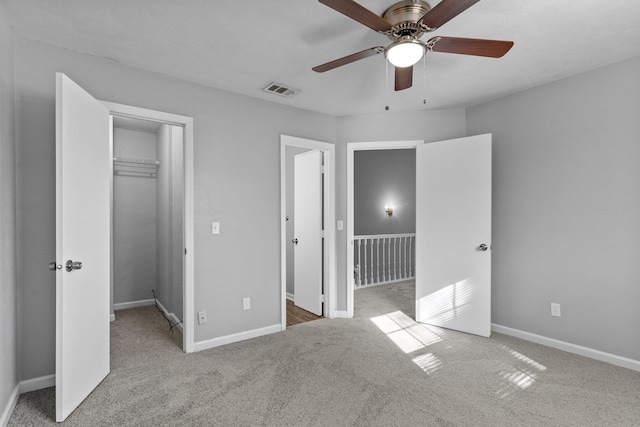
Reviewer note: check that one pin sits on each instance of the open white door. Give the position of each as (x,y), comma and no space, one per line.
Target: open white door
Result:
(308,231)
(83,168)
(453,234)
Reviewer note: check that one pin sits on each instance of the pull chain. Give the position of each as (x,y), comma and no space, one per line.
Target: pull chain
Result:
(386,91)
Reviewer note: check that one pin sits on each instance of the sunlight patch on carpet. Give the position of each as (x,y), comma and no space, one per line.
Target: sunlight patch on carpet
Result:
(405,332)
(429,362)
(519,379)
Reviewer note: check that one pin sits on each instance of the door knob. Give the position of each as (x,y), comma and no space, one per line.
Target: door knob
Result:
(295,241)
(73,265)
(53,266)
(483,247)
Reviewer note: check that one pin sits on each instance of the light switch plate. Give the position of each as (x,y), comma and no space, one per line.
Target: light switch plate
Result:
(340,224)
(215,228)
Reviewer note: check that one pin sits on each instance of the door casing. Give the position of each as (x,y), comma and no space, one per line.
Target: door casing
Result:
(129,111)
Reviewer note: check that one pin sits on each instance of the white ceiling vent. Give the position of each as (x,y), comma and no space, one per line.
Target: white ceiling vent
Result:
(279,89)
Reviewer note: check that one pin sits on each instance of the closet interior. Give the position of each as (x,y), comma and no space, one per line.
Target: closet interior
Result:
(148,217)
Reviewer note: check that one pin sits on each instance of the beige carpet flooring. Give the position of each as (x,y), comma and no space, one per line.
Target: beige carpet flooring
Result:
(377,369)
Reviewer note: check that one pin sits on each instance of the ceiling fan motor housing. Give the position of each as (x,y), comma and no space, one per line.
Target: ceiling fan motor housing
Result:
(406,11)
(404,17)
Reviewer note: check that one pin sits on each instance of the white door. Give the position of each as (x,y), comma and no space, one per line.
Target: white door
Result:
(83,168)
(453,234)
(307,215)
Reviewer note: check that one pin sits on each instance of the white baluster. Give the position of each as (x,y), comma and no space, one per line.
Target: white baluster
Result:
(365,281)
(378,260)
(384,268)
(359,244)
(404,260)
(410,264)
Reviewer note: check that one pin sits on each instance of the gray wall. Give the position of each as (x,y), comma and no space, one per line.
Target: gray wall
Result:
(381,178)
(177,219)
(170,199)
(237,182)
(429,126)
(8,277)
(566,208)
(134,221)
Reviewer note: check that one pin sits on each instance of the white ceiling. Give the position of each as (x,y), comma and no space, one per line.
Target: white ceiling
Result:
(241,46)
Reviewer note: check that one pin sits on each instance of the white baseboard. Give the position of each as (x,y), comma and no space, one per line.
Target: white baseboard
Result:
(11,405)
(290,296)
(132,304)
(37,383)
(172,317)
(340,314)
(568,347)
(241,336)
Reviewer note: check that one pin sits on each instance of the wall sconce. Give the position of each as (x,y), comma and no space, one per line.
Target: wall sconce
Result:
(388,210)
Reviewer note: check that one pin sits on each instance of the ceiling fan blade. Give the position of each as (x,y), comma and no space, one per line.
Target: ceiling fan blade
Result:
(359,13)
(404,78)
(445,11)
(348,59)
(477,47)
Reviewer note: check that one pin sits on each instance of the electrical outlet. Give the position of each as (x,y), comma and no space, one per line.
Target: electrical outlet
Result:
(246,303)
(202,317)
(555,309)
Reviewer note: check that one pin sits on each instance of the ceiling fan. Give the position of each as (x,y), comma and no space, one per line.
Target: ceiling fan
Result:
(405,23)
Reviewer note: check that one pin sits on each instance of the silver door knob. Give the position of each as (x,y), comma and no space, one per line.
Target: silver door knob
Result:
(483,247)
(53,266)
(295,241)
(73,265)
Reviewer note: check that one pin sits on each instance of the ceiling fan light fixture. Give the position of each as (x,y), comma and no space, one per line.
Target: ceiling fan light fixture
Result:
(405,52)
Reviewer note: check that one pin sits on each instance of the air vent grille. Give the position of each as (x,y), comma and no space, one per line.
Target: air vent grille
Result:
(281,90)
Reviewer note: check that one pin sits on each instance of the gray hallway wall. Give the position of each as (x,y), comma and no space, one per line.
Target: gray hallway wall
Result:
(381,178)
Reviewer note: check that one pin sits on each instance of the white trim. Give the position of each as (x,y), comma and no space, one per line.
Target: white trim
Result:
(290,296)
(11,405)
(341,314)
(241,336)
(38,383)
(188,284)
(330,270)
(132,304)
(352,147)
(171,316)
(624,362)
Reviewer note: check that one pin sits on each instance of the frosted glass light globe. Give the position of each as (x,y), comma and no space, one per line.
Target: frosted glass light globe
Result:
(404,53)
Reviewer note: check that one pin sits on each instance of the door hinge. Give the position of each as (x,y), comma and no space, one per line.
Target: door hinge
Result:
(323,299)
(185,251)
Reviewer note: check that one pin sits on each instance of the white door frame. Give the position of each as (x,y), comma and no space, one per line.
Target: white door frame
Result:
(129,111)
(352,147)
(330,274)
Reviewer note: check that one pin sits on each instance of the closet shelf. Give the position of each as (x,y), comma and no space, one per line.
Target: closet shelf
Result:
(135,166)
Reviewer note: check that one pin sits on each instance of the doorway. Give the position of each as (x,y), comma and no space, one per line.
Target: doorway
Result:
(166,170)
(453,231)
(148,221)
(308,241)
(352,148)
